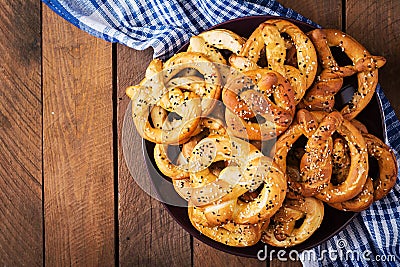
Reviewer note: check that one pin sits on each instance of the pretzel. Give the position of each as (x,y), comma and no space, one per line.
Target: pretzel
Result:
(197,100)
(358,171)
(315,165)
(209,42)
(244,102)
(178,170)
(373,189)
(330,81)
(282,230)
(248,169)
(360,202)
(231,234)
(268,34)
(388,168)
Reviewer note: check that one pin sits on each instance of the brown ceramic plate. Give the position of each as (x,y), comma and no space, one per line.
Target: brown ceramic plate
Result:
(334,220)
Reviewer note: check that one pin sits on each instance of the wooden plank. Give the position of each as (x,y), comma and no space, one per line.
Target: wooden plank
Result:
(376,25)
(148,235)
(328,14)
(78,146)
(204,255)
(20,134)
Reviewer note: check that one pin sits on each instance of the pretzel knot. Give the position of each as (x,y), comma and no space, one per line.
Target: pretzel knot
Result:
(286,229)
(315,166)
(377,187)
(176,101)
(210,42)
(330,81)
(280,39)
(244,169)
(173,161)
(260,104)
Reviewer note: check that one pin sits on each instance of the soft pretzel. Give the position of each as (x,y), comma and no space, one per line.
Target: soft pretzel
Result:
(248,169)
(197,100)
(248,96)
(360,202)
(209,42)
(387,165)
(283,231)
(231,234)
(330,81)
(268,35)
(315,164)
(178,169)
(358,171)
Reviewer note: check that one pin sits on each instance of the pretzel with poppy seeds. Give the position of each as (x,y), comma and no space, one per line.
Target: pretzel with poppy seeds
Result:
(231,234)
(184,98)
(247,170)
(315,165)
(249,95)
(330,81)
(269,35)
(283,231)
(178,170)
(209,42)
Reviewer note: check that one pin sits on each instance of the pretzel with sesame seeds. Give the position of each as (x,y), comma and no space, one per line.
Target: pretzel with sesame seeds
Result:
(209,42)
(262,93)
(177,169)
(269,35)
(330,81)
(378,187)
(184,99)
(231,234)
(246,170)
(315,165)
(283,231)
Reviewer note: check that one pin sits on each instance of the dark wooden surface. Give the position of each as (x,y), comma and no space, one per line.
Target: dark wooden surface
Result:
(66,195)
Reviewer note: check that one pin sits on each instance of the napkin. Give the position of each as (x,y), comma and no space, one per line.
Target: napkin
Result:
(372,238)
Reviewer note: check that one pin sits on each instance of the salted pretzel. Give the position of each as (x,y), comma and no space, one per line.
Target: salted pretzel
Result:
(209,42)
(283,231)
(231,234)
(185,97)
(315,164)
(330,81)
(247,170)
(249,95)
(269,35)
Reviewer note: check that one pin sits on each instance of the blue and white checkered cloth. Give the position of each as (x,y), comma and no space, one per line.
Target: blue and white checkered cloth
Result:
(166,25)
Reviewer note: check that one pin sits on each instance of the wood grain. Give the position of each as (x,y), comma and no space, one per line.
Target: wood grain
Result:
(148,235)
(376,25)
(20,134)
(204,255)
(327,13)
(78,146)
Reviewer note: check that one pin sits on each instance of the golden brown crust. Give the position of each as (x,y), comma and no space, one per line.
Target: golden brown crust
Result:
(387,165)
(282,230)
(330,81)
(244,102)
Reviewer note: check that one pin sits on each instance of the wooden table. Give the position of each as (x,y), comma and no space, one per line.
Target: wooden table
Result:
(66,196)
